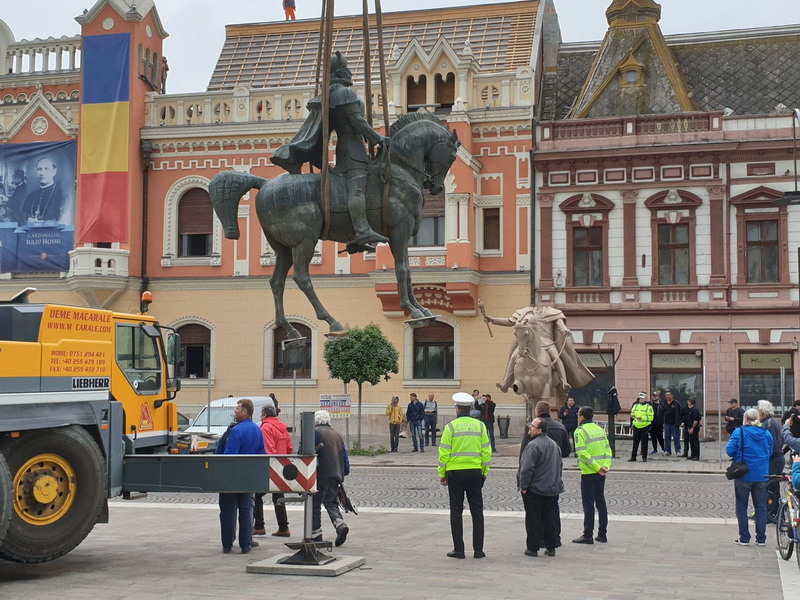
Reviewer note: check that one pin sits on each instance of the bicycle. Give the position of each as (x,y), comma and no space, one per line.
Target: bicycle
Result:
(788,519)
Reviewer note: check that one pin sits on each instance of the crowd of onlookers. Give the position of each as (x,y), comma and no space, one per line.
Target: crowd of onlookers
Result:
(422,419)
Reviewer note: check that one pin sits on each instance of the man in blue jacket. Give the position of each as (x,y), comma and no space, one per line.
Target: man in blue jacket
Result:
(243,438)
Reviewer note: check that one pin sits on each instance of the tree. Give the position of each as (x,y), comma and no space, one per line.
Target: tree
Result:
(364,356)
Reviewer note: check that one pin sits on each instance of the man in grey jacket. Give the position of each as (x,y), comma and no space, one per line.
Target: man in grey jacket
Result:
(540,483)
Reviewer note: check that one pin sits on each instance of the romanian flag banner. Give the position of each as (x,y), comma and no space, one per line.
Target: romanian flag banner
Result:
(105,113)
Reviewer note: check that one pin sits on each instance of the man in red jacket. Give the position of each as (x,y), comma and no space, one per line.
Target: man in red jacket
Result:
(276,441)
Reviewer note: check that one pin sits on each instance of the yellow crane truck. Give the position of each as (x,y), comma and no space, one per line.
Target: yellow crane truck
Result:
(86,415)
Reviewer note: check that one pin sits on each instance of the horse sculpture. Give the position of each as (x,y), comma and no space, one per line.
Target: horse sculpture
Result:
(290,212)
(533,370)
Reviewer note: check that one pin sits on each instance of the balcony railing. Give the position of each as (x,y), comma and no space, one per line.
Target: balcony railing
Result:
(640,125)
(39,57)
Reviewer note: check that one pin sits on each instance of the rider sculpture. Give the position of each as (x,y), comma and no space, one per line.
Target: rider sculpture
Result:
(556,340)
(346,114)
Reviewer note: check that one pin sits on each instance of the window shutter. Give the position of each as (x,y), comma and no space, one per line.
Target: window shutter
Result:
(436,333)
(434,205)
(193,335)
(195,214)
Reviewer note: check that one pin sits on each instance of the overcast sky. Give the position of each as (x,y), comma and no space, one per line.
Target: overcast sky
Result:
(196,37)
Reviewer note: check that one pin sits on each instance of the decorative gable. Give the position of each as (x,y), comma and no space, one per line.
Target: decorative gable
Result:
(634,71)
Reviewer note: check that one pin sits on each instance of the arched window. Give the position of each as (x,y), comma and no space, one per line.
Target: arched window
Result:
(416,93)
(434,352)
(154,69)
(286,360)
(195,223)
(195,359)
(445,90)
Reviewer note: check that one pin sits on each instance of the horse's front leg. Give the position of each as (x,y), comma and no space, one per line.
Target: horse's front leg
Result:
(399,246)
(302,254)
(283,262)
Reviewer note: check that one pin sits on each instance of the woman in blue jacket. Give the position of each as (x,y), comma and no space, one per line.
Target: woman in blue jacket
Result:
(796,472)
(753,445)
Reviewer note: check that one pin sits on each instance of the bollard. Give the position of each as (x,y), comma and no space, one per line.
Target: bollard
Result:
(308,551)
(502,424)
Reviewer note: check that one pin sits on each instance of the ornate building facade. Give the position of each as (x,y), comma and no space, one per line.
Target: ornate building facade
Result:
(654,171)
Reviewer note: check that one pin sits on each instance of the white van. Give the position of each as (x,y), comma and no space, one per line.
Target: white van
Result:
(221,414)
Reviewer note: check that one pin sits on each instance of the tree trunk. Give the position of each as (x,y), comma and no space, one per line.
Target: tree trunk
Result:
(359,415)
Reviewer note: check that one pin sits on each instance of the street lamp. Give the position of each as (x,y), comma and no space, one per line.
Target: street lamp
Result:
(792,198)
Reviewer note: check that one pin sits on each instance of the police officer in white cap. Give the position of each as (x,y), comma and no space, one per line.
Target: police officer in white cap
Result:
(641,419)
(464,456)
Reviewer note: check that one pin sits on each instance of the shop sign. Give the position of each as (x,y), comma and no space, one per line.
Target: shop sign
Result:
(676,361)
(765,360)
(594,360)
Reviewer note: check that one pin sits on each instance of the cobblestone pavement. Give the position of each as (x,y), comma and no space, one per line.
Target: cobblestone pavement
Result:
(653,494)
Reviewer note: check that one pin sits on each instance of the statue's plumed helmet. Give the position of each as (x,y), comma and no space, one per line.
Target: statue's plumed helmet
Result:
(339,69)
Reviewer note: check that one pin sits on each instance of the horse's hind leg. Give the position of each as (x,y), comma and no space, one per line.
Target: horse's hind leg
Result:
(283,262)
(302,254)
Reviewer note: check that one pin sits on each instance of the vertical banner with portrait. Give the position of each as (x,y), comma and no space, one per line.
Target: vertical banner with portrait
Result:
(37,206)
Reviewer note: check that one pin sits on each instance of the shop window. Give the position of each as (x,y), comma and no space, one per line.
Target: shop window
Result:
(416,93)
(445,90)
(195,223)
(673,254)
(595,394)
(762,251)
(434,352)
(766,376)
(195,359)
(431,229)
(679,373)
(587,256)
(286,360)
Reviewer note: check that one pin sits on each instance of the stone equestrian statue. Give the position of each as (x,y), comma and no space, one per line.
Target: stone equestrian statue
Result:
(347,119)
(555,340)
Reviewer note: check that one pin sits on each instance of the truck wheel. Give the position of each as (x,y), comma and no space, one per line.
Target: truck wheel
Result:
(5,498)
(58,483)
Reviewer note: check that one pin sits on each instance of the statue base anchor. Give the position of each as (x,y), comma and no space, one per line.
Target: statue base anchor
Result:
(421,322)
(337,335)
(308,553)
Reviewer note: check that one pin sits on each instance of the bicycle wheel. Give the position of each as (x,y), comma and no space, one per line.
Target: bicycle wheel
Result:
(785,531)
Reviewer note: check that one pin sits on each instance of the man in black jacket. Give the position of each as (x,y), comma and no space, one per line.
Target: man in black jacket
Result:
(556,432)
(691,424)
(673,418)
(333,465)
(734,416)
(793,412)
(657,427)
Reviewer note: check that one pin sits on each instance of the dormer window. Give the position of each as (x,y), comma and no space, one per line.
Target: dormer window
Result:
(632,72)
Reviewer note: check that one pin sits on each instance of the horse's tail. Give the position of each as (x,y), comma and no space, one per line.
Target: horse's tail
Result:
(226,189)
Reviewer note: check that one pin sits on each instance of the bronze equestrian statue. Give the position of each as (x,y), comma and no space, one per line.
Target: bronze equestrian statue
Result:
(289,206)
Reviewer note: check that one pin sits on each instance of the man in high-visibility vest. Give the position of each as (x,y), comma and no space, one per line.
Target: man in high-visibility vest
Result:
(641,418)
(464,456)
(594,460)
